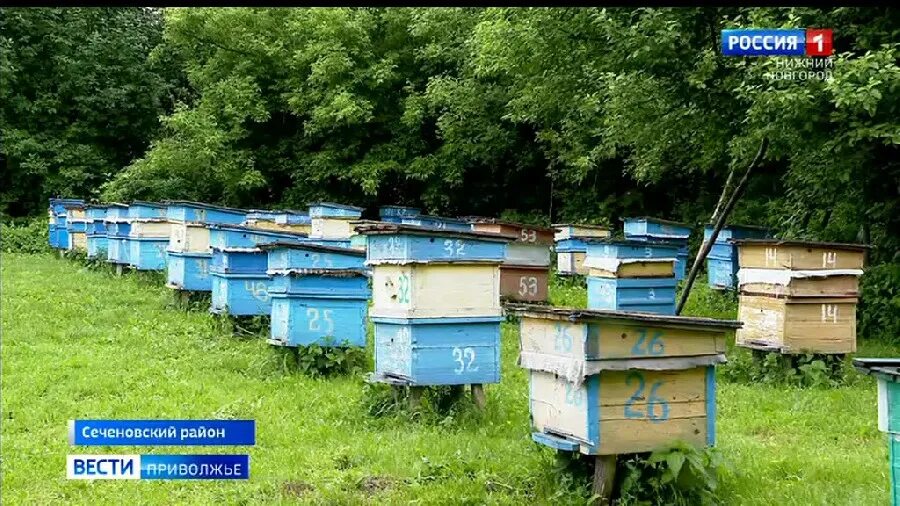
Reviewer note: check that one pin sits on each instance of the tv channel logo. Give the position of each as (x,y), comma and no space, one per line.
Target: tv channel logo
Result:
(813,42)
(104,467)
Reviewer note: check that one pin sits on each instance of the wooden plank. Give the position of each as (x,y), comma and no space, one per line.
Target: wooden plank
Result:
(558,406)
(763,319)
(524,283)
(635,436)
(636,270)
(820,327)
(637,388)
(781,256)
(616,340)
(834,286)
(331,228)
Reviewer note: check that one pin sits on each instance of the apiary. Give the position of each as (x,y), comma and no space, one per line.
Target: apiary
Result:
(722,262)
(605,383)
(435,304)
(571,248)
(319,295)
(798,296)
(658,230)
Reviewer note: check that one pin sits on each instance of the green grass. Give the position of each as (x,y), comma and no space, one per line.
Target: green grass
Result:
(81,343)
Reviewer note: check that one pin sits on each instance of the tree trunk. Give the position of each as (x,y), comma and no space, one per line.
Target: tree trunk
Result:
(720,222)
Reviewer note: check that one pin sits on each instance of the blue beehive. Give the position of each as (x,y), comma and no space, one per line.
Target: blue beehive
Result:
(57,235)
(437,222)
(319,295)
(76,227)
(148,236)
(638,276)
(117,229)
(395,214)
(435,308)
(722,261)
(887,373)
(96,231)
(332,210)
(658,230)
(188,255)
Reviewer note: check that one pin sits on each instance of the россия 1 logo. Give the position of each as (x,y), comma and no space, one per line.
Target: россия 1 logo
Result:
(777,42)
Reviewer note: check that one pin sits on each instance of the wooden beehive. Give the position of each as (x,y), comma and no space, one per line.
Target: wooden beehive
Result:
(147,240)
(722,262)
(574,230)
(887,373)
(797,296)
(178,211)
(280,221)
(118,227)
(571,246)
(645,228)
(332,221)
(319,295)
(395,214)
(524,283)
(524,274)
(631,275)
(610,382)
(76,227)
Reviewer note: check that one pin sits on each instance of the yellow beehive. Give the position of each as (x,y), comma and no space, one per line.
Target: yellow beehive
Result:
(332,228)
(572,230)
(793,325)
(799,255)
(630,268)
(78,241)
(189,238)
(150,228)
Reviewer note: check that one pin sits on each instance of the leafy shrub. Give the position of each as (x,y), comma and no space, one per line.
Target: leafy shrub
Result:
(810,370)
(318,360)
(24,236)
(679,474)
(879,303)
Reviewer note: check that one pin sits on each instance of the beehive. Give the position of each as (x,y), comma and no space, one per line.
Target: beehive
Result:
(395,214)
(188,255)
(645,228)
(117,228)
(435,304)
(887,372)
(798,296)
(571,248)
(96,231)
(437,222)
(722,262)
(332,221)
(631,276)
(148,236)
(76,227)
(279,221)
(610,382)
(319,295)
(525,272)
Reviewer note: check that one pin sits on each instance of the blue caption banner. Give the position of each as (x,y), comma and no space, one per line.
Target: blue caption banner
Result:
(763,42)
(158,467)
(162,432)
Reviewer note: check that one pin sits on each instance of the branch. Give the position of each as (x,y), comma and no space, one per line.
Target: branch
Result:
(720,222)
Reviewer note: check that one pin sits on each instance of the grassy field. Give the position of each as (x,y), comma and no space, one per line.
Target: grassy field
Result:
(81,343)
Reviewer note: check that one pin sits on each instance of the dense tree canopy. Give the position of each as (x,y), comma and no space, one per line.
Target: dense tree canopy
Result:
(563,113)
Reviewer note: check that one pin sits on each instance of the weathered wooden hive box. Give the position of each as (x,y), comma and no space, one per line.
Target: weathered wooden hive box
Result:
(437,222)
(395,214)
(887,372)
(118,227)
(148,236)
(76,227)
(645,228)
(722,262)
(320,295)
(58,234)
(798,296)
(96,231)
(188,255)
(628,275)
(285,220)
(525,272)
(571,249)
(332,221)
(610,382)
(435,304)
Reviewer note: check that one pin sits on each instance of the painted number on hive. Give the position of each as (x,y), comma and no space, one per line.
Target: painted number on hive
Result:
(258,290)
(528,285)
(829,313)
(465,358)
(318,261)
(771,256)
(653,346)
(657,407)
(403,291)
(454,248)
(829,259)
(320,321)
(528,235)
(563,341)
(575,396)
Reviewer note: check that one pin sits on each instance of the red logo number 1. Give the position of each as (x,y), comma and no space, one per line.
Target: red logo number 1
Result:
(818,42)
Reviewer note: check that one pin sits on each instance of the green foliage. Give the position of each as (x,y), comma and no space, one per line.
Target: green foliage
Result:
(567,291)
(330,358)
(879,303)
(801,371)
(24,236)
(680,474)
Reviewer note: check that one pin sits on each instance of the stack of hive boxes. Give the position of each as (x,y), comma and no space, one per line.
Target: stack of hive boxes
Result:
(525,272)
(571,248)
(58,234)
(148,236)
(96,231)
(722,261)
(333,221)
(628,275)
(117,228)
(435,305)
(798,296)
(665,231)
(189,254)
(76,227)
(319,295)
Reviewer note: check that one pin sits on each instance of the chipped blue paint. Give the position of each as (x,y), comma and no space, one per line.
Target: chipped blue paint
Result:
(433,247)
(188,271)
(571,245)
(232,236)
(654,227)
(593,414)
(440,351)
(117,244)
(648,295)
(240,294)
(554,441)
(302,320)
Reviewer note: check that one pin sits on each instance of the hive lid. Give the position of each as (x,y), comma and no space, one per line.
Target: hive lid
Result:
(313,247)
(334,273)
(577,315)
(334,205)
(146,203)
(251,230)
(651,219)
(885,368)
(498,221)
(202,205)
(625,242)
(402,228)
(580,225)
(795,242)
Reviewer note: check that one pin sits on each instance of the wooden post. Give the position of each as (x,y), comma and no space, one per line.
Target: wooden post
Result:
(415,397)
(119,269)
(604,478)
(478,396)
